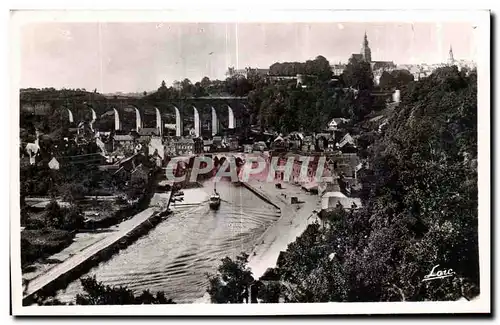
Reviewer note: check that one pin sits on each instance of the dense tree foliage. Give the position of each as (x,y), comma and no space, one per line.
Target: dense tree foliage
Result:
(395,79)
(136,188)
(319,67)
(232,282)
(281,105)
(71,182)
(420,209)
(358,75)
(284,107)
(97,293)
(274,104)
(54,216)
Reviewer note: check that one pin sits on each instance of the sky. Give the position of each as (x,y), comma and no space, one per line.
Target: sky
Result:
(136,57)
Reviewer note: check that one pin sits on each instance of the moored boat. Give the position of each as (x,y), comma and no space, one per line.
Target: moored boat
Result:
(214,201)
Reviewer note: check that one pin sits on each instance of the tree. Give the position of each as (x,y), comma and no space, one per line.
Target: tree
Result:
(363,105)
(135,188)
(72,219)
(358,75)
(238,86)
(205,82)
(72,192)
(319,67)
(269,291)
(402,77)
(423,206)
(395,79)
(96,293)
(199,90)
(187,87)
(53,215)
(386,80)
(419,208)
(232,282)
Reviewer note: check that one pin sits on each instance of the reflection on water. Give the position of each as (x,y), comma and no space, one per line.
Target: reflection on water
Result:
(175,256)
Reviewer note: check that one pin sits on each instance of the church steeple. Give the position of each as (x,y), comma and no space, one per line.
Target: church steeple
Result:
(451,60)
(365,50)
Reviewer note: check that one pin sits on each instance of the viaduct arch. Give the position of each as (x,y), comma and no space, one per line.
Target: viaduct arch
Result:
(204,115)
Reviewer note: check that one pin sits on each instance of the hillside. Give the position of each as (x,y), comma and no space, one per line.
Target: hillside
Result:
(420,209)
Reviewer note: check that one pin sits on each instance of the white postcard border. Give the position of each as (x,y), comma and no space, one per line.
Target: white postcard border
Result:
(480,18)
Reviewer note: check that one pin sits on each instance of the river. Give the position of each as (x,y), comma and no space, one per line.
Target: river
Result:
(175,256)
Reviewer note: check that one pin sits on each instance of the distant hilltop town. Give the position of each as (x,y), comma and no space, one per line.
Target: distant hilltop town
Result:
(418,71)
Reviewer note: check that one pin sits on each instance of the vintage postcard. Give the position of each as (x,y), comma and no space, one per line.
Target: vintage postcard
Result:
(236,163)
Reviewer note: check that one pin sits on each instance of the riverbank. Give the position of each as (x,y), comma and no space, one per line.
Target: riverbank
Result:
(262,195)
(286,229)
(175,256)
(290,225)
(85,258)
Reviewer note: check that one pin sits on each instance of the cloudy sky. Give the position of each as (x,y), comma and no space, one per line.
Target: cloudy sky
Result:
(132,57)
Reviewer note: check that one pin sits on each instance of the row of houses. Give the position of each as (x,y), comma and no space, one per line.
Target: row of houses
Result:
(335,165)
(318,142)
(120,146)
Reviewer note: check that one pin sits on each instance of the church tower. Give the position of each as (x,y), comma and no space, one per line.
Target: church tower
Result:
(365,50)
(451,60)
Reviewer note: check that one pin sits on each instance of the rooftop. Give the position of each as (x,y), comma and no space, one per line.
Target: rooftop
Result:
(126,137)
(148,131)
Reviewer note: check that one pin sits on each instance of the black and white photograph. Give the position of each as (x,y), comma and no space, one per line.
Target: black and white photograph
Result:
(250,163)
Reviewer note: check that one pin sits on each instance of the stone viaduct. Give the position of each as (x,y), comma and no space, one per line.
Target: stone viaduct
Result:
(203,116)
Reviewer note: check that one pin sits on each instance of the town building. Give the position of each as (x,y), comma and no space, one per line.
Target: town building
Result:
(217,142)
(246,72)
(366,52)
(336,123)
(247,148)
(332,145)
(156,145)
(233,143)
(169,147)
(334,198)
(126,143)
(309,144)
(188,146)
(323,139)
(294,141)
(347,143)
(130,163)
(338,69)
(145,134)
(54,164)
(343,164)
(208,146)
(259,146)
(278,143)
(126,167)
(378,67)
(451,59)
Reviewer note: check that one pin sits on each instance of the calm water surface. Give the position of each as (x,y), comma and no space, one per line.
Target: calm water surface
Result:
(174,256)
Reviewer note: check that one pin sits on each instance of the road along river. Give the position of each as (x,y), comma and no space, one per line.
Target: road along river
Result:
(175,256)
